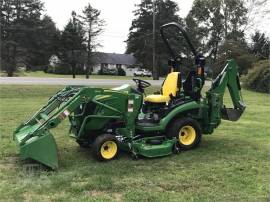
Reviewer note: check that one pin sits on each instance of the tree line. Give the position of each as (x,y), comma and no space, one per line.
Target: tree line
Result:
(210,24)
(29,37)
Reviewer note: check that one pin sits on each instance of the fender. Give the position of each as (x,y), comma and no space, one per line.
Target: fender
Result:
(178,110)
(162,125)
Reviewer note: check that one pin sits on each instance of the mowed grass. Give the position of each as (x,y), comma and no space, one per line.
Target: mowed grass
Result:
(230,165)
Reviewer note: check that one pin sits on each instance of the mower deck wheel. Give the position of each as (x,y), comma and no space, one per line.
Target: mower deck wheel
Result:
(105,147)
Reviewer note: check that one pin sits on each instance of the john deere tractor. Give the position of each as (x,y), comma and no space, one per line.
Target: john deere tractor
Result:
(123,118)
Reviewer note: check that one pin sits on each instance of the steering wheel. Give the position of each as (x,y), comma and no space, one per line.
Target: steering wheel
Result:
(141,84)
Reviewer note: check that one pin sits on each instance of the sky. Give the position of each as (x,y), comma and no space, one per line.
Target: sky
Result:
(118,16)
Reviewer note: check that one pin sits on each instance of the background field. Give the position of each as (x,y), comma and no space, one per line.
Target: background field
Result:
(230,165)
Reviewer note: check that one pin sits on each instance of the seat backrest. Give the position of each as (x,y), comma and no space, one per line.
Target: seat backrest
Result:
(171,84)
(189,83)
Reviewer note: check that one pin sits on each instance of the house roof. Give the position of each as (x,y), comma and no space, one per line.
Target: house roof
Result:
(114,58)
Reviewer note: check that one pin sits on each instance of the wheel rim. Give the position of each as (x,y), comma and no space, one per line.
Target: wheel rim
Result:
(187,135)
(108,149)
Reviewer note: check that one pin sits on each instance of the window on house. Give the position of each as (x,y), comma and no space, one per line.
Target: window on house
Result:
(118,66)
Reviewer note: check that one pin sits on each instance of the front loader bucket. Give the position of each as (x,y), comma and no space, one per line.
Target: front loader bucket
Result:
(33,137)
(39,146)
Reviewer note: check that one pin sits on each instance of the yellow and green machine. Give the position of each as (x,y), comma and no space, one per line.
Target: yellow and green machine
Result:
(123,118)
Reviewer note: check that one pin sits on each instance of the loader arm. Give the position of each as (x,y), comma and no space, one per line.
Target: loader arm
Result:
(227,78)
(34,138)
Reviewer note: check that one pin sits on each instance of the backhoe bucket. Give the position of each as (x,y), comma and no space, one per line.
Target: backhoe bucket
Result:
(231,114)
(39,146)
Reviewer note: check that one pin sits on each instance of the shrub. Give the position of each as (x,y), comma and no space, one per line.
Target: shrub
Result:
(234,50)
(64,68)
(38,68)
(100,72)
(61,69)
(121,72)
(106,71)
(258,78)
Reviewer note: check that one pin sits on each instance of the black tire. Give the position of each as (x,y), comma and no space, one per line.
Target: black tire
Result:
(190,136)
(105,147)
(83,144)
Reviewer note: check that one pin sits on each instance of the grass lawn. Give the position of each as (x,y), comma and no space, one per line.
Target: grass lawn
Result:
(49,75)
(230,165)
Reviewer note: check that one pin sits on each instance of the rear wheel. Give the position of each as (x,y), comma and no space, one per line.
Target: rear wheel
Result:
(105,147)
(187,131)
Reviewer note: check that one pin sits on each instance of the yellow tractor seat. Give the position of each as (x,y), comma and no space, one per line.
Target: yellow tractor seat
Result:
(157,98)
(171,86)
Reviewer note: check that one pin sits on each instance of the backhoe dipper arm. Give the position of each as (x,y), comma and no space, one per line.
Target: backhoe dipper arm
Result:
(229,78)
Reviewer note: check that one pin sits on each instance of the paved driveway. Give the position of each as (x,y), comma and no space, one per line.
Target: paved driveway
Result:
(69,81)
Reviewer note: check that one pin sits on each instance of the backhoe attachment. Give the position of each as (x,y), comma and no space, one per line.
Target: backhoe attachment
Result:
(228,78)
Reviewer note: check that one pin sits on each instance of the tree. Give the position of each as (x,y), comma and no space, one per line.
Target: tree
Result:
(93,26)
(218,20)
(237,50)
(140,38)
(19,19)
(41,42)
(258,77)
(72,44)
(223,21)
(260,45)
(258,11)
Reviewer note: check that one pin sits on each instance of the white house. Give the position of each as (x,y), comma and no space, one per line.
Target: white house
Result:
(115,60)
(54,61)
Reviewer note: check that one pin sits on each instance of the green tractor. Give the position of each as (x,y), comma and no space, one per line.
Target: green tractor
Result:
(110,120)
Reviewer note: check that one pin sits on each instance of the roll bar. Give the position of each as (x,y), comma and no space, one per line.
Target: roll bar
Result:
(184,33)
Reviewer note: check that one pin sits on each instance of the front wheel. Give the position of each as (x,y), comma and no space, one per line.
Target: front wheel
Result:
(187,131)
(105,147)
